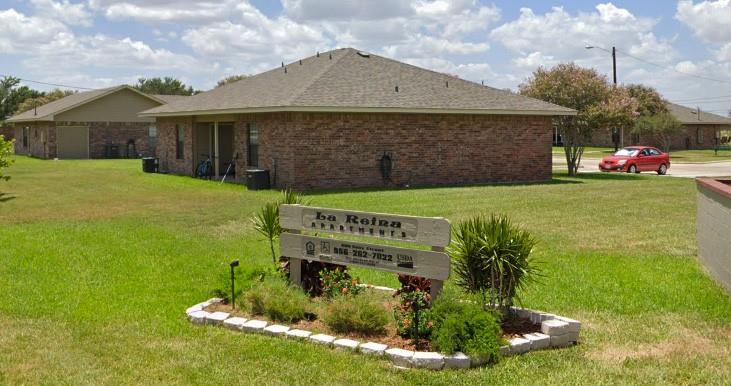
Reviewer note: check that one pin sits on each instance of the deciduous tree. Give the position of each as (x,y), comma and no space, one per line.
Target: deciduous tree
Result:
(649,101)
(581,89)
(163,86)
(231,79)
(44,98)
(660,126)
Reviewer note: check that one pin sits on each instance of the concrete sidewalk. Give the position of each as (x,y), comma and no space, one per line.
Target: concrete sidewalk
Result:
(708,169)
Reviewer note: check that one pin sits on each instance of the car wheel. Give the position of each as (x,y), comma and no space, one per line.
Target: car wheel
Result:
(632,169)
(662,170)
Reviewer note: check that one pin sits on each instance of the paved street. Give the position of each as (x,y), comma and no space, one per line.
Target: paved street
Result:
(709,169)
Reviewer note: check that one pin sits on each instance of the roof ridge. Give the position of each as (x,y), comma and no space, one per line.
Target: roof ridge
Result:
(314,79)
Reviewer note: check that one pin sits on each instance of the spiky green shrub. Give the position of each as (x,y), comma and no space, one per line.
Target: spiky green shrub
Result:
(492,258)
(266,221)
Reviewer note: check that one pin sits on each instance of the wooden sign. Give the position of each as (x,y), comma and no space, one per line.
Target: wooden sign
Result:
(433,231)
(428,264)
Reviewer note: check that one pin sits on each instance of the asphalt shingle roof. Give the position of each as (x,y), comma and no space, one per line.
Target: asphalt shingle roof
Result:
(690,116)
(347,80)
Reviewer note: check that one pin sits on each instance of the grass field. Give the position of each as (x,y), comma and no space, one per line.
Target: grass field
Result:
(681,156)
(98,262)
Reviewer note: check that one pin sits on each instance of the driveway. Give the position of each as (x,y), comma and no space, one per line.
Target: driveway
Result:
(707,169)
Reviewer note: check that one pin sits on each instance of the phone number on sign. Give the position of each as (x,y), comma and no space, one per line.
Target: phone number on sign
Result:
(363,254)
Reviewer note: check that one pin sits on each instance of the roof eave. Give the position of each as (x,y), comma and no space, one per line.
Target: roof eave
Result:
(45,118)
(360,110)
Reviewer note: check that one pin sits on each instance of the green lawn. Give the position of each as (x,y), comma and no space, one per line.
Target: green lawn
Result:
(98,262)
(682,156)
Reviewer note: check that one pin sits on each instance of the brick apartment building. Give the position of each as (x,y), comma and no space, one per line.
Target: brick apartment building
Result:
(93,124)
(700,131)
(346,118)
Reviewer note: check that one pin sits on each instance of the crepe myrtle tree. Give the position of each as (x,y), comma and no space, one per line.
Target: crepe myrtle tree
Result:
(581,89)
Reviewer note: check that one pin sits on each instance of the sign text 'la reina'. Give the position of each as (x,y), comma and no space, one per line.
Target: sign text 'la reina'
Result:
(352,223)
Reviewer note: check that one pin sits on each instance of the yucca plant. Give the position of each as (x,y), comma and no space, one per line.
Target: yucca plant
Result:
(492,258)
(266,221)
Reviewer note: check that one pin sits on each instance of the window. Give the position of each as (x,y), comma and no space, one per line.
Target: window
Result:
(26,130)
(152,135)
(699,135)
(252,145)
(653,152)
(179,141)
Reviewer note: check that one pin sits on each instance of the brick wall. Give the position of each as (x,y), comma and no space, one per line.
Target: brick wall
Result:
(41,139)
(116,133)
(332,150)
(714,228)
(166,140)
(8,132)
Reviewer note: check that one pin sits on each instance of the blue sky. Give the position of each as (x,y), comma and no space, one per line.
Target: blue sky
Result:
(97,43)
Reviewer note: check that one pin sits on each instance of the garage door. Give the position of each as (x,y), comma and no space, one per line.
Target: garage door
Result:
(72,142)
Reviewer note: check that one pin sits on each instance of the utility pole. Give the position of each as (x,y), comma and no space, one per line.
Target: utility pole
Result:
(614,64)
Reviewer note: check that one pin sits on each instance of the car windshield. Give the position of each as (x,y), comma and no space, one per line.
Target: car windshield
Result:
(627,152)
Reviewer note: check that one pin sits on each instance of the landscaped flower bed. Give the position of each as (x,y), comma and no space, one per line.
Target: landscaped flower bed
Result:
(470,323)
(552,331)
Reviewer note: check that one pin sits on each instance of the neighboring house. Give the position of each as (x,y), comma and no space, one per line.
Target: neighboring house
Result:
(93,124)
(346,118)
(700,130)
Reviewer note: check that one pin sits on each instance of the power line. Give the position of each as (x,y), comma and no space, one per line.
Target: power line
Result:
(49,84)
(704,98)
(673,69)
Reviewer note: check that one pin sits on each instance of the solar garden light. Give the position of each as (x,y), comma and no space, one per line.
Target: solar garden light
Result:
(233,265)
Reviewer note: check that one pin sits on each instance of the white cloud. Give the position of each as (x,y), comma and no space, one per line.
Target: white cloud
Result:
(64,11)
(564,35)
(21,33)
(307,10)
(709,20)
(101,51)
(152,11)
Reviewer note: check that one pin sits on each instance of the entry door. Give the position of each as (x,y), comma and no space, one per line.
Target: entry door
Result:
(72,142)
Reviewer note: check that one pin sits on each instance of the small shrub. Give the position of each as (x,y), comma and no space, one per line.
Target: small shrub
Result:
(337,282)
(6,147)
(356,314)
(277,300)
(462,325)
(492,258)
(413,316)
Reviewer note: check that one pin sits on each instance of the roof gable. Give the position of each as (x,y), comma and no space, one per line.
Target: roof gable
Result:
(349,80)
(49,111)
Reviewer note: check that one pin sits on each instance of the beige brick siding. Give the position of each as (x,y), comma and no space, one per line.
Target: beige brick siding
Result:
(333,150)
(714,232)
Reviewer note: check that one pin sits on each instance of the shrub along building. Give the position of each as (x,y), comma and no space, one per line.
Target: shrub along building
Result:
(93,124)
(700,131)
(346,118)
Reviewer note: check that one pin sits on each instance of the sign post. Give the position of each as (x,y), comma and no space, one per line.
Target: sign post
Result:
(431,231)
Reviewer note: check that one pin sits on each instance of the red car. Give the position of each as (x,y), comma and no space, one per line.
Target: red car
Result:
(635,159)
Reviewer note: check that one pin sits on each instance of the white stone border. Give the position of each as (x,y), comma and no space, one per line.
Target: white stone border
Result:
(556,332)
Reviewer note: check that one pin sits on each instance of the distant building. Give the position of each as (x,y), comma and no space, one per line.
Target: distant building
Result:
(700,130)
(93,124)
